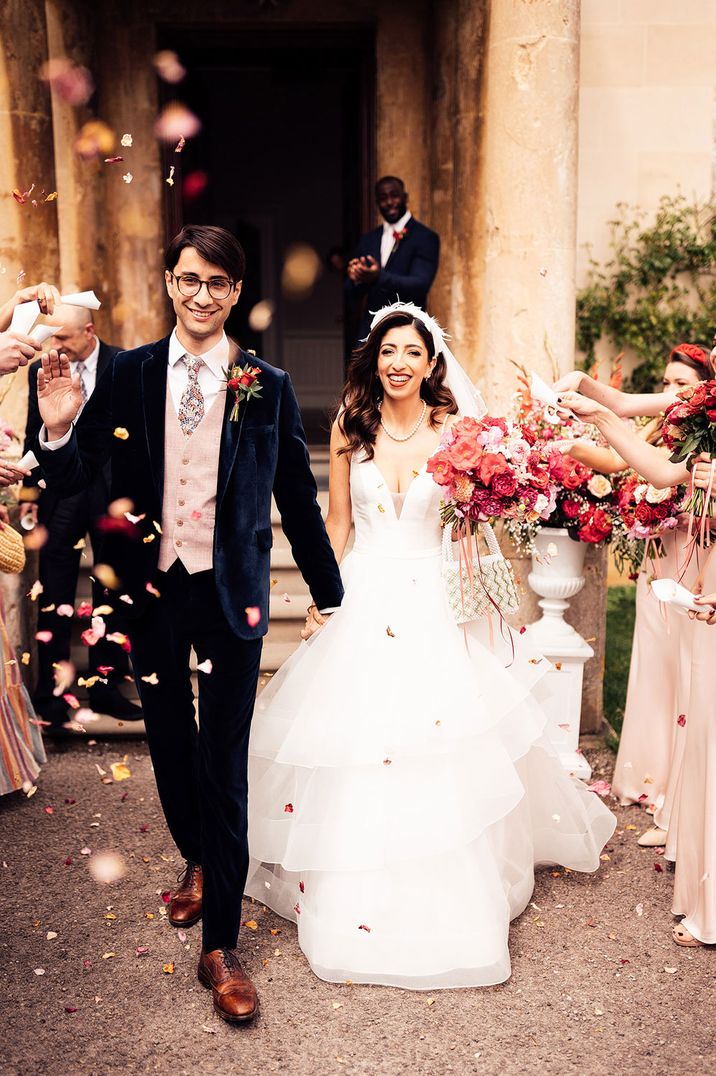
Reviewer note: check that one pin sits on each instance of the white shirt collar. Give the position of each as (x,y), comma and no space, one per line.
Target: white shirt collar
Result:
(399,224)
(216,358)
(91,360)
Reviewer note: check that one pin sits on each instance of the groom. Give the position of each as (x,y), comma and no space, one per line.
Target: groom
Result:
(165,418)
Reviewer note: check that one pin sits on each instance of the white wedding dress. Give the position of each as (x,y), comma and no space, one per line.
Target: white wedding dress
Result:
(401,790)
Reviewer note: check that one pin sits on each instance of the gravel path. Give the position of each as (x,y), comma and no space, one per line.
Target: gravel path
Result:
(597,985)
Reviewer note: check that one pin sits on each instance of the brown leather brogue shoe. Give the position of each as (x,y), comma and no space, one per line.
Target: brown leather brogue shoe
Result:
(234,995)
(185,906)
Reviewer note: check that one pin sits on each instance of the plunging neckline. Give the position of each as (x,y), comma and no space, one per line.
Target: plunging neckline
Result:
(405,493)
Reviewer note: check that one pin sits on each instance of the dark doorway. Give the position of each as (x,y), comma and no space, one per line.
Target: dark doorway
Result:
(286,150)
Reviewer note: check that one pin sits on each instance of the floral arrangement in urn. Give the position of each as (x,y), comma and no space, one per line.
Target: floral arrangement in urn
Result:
(585,502)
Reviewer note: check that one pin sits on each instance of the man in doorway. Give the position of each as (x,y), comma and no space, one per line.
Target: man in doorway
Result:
(200,435)
(397,260)
(68,520)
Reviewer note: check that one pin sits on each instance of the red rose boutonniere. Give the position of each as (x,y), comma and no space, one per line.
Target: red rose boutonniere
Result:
(243,382)
(398,236)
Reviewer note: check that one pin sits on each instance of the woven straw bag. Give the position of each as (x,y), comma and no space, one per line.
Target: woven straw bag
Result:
(12,550)
(493,582)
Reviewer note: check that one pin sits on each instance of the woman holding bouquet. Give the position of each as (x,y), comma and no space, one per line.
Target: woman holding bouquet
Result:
(387,757)
(651,738)
(691,830)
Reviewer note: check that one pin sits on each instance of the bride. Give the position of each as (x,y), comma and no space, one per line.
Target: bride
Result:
(401,787)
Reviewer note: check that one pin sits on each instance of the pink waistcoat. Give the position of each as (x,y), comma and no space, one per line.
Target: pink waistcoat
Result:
(191,467)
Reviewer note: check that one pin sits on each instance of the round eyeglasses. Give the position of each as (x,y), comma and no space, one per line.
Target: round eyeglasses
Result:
(218,287)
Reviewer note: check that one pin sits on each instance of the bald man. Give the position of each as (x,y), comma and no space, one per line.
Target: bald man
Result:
(68,521)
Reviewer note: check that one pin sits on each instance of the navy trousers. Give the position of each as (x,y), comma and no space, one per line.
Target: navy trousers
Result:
(201,773)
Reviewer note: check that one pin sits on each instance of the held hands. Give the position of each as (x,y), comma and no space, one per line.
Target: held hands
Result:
(314,622)
(59,397)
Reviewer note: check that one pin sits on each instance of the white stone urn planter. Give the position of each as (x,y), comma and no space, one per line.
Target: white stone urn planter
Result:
(557,575)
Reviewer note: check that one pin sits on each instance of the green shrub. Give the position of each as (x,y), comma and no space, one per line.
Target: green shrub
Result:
(656,290)
(620,633)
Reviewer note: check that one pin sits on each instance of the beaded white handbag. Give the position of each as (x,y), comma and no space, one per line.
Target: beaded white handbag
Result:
(492,584)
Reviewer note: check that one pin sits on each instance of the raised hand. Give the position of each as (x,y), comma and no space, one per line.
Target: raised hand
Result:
(15,350)
(59,396)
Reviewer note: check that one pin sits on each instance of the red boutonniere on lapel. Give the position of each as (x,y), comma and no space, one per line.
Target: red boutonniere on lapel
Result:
(244,383)
(399,235)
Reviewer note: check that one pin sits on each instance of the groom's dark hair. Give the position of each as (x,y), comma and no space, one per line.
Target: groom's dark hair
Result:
(215,245)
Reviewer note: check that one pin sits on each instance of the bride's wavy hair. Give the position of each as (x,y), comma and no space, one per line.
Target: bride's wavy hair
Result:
(359,412)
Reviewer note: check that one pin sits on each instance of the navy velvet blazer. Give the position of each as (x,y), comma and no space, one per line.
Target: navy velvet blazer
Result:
(407,275)
(261,453)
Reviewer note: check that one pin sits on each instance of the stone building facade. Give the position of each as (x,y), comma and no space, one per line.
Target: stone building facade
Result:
(474,102)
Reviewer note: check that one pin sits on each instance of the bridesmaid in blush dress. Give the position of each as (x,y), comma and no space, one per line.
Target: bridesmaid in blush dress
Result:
(650,743)
(692,826)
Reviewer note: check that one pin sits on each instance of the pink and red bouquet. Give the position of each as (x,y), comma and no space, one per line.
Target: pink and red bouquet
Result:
(645,515)
(490,469)
(690,428)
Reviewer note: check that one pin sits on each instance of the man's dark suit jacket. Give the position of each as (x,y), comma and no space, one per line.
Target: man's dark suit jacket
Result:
(261,453)
(48,498)
(407,275)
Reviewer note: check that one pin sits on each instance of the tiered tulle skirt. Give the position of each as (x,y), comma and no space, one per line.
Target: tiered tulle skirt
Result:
(402,791)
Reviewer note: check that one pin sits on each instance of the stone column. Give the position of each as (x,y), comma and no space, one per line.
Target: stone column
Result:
(70,33)
(530,185)
(28,234)
(457,36)
(131,236)
(402,96)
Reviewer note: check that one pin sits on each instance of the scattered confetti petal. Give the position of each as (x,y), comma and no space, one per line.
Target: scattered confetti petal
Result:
(205,666)
(126,140)
(152,679)
(72,83)
(365,928)
(288,809)
(681,720)
(253,615)
(168,66)
(602,788)
(127,177)
(168,969)
(39,971)
(176,121)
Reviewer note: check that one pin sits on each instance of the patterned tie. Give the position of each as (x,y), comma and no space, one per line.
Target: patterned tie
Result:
(191,406)
(80,369)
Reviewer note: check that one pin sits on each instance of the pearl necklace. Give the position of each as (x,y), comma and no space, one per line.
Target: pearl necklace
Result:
(414,430)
